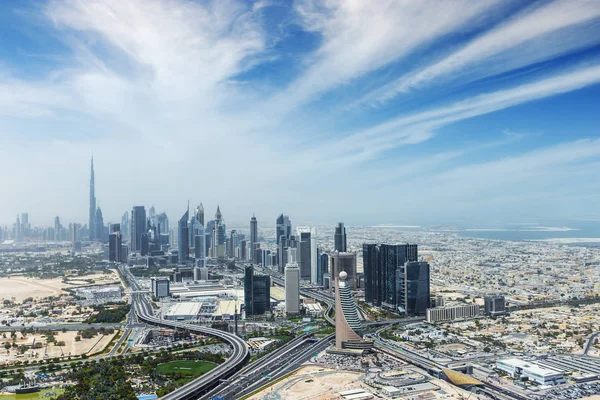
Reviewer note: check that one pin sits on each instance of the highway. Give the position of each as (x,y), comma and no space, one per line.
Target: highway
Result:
(193,390)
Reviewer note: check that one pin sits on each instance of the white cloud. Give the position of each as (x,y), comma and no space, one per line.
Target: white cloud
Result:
(358,38)
(538,33)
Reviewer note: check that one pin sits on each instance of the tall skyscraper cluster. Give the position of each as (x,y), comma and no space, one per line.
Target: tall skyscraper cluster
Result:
(395,279)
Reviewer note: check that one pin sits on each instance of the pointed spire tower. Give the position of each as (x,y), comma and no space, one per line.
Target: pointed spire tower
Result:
(200,214)
(218,215)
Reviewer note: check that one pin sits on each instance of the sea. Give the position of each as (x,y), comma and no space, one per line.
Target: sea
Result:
(566,231)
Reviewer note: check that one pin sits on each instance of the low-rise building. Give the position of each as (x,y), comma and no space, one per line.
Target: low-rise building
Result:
(450,313)
(526,370)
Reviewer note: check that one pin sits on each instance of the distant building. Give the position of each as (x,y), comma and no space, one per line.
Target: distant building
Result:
(292,288)
(339,238)
(413,288)
(145,249)
(253,237)
(344,262)
(114,246)
(138,227)
(200,214)
(322,267)
(183,244)
(494,305)
(92,216)
(440,314)
(283,228)
(161,287)
(257,292)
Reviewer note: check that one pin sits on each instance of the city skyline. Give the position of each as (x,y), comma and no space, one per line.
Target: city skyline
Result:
(343,111)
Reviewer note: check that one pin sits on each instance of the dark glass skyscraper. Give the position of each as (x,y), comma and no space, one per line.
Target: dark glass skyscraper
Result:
(380,266)
(339,239)
(114,243)
(257,292)
(322,267)
(183,240)
(304,254)
(253,237)
(92,219)
(138,226)
(413,288)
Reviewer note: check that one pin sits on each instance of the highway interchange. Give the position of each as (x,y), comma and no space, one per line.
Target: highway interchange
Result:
(231,379)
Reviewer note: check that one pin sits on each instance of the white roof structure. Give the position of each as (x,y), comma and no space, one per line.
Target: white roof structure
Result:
(184,308)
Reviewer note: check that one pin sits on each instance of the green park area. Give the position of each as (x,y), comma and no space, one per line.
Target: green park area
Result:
(190,368)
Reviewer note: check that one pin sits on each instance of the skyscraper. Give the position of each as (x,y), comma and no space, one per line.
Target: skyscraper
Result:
(304,252)
(347,323)
(57,229)
(257,292)
(218,236)
(314,257)
(380,265)
(413,289)
(138,226)
(282,252)
(25,225)
(18,229)
(339,239)
(163,223)
(183,239)
(114,243)
(322,266)
(92,219)
(99,225)
(253,237)
(200,213)
(125,225)
(283,228)
(292,288)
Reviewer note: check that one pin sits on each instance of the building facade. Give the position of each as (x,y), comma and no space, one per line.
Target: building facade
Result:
(440,314)
(257,292)
(413,288)
(292,288)
(347,324)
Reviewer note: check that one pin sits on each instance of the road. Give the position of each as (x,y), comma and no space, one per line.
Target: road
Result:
(590,342)
(60,327)
(239,356)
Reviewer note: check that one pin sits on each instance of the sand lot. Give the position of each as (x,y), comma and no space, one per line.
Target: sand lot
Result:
(20,287)
(326,384)
(71,347)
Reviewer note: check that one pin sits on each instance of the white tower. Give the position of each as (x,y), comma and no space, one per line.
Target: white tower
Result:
(292,288)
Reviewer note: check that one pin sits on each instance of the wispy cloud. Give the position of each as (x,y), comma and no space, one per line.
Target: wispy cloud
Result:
(546,31)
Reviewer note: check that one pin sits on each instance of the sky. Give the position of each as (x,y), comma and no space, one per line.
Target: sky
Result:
(403,112)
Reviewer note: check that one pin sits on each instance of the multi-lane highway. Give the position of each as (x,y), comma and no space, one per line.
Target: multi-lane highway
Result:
(194,389)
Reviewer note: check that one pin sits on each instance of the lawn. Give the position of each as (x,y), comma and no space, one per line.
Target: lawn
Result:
(192,368)
(33,396)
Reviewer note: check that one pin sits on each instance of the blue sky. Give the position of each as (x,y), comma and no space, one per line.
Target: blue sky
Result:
(415,112)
